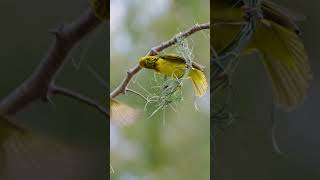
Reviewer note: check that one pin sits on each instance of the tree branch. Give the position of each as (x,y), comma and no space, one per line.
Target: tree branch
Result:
(56,90)
(122,88)
(36,86)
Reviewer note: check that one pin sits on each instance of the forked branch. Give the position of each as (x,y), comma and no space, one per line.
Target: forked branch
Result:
(36,86)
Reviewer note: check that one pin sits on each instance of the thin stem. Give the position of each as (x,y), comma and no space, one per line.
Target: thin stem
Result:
(137,93)
(57,90)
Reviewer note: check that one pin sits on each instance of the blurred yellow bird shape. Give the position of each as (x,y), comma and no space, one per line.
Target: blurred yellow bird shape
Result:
(276,38)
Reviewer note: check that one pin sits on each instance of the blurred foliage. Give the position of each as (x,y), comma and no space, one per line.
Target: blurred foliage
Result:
(172,144)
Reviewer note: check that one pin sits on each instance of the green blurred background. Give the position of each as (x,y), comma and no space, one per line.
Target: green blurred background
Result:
(83,131)
(171,145)
(244,151)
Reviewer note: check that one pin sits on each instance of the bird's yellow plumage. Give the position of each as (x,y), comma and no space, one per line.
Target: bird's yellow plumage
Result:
(276,38)
(175,66)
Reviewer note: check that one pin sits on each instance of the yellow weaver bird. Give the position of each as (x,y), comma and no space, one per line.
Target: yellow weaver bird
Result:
(276,38)
(175,66)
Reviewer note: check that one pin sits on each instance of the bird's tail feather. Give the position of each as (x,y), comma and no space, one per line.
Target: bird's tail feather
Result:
(199,81)
(288,68)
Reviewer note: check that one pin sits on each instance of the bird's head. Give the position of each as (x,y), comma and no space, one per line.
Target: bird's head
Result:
(149,62)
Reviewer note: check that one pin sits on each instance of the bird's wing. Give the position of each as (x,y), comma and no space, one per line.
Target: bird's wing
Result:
(285,60)
(178,59)
(281,15)
(173,58)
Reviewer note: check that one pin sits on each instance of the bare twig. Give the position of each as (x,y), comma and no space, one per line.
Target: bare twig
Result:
(36,86)
(121,89)
(56,90)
